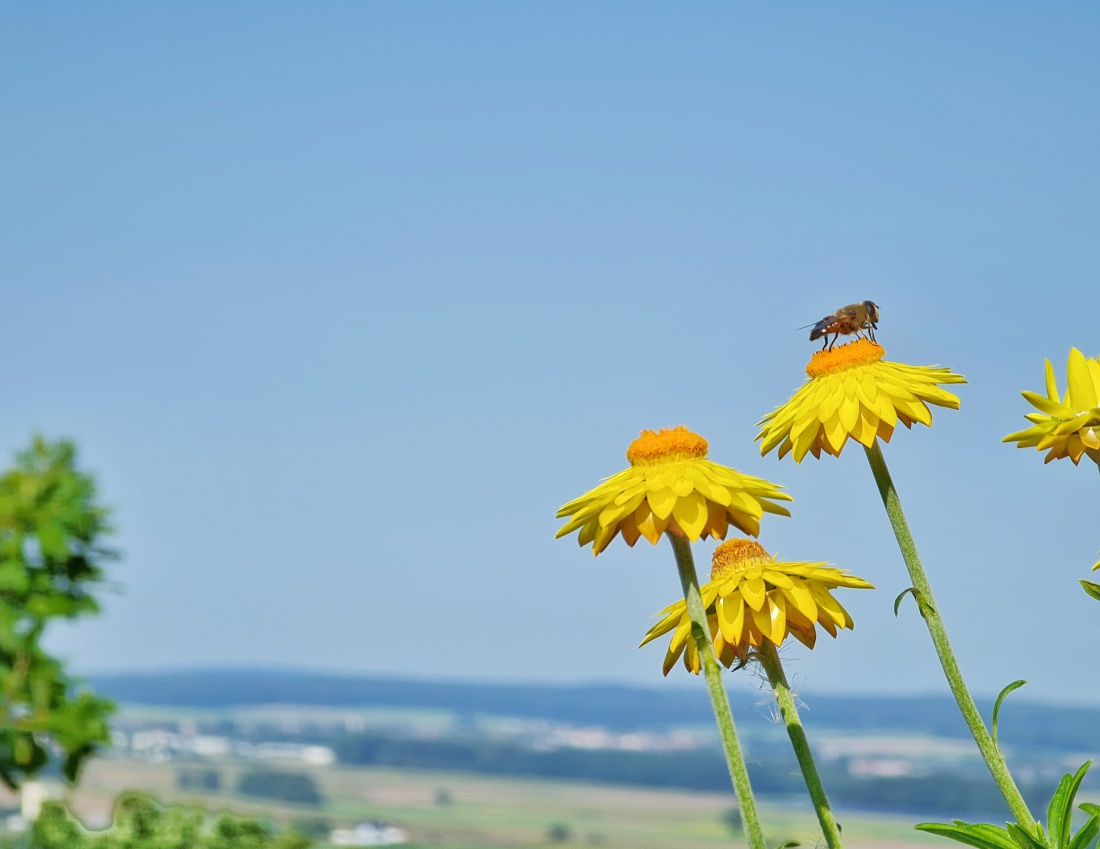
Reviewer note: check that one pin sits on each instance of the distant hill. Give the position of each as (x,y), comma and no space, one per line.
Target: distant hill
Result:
(617,707)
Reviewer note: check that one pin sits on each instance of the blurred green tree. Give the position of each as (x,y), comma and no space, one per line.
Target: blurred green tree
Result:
(298,788)
(51,531)
(140,823)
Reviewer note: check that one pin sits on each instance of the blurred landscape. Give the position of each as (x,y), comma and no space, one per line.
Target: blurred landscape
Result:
(465,764)
(316,313)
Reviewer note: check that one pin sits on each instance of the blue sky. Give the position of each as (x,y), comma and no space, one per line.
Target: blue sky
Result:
(342,300)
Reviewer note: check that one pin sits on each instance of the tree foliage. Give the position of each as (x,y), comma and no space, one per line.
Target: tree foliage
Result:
(298,788)
(140,823)
(51,551)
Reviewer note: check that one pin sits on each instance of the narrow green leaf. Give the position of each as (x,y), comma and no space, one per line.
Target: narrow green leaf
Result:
(1091,588)
(1060,813)
(980,835)
(1015,685)
(1090,808)
(1085,836)
(1024,839)
(913,590)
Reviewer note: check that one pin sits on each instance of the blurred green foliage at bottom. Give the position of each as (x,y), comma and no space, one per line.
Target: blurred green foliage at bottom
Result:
(140,823)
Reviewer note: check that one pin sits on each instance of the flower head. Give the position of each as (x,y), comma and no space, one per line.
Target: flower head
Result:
(670,486)
(853,393)
(1069,426)
(752,597)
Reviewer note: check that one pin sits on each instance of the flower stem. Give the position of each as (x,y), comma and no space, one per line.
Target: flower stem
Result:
(769,659)
(994,760)
(718,698)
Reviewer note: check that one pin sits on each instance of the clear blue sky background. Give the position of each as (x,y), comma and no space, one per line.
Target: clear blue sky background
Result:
(342,300)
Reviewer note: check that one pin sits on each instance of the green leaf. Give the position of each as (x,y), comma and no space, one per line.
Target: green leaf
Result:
(1091,588)
(980,835)
(13,576)
(913,590)
(51,549)
(1085,836)
(1015,685)
(51,536)
(1024,839)
(1060,813)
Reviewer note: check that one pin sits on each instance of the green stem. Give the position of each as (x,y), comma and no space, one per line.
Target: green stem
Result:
(994,760)
(718,698)
(769,659)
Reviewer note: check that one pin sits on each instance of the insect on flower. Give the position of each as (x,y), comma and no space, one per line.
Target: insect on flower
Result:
(854,318)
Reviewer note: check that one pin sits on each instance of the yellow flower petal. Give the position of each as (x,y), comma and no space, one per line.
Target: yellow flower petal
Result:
(690,513)
(1081,390)
(752,598)
(670,481)
(1045,405)
(731,618)
(1094,373)
(753,591)
(803,600)
(1052,383)
(662,501)
(717,520)
(682,486)
(1068,426)
(853,394)
(777,578)
(830,606)
(777,612)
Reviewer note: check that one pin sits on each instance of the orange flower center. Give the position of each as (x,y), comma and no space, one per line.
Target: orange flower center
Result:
(666,444)
(861,352)
(737,555)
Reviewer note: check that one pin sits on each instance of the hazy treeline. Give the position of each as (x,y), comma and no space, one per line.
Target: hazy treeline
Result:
(616,707)
(972,795)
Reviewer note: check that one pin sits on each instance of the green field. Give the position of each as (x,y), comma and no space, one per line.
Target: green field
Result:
(498,812)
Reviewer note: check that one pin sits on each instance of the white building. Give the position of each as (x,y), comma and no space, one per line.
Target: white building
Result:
(369,834)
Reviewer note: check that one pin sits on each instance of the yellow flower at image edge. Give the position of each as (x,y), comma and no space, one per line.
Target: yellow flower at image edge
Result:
(853,393)
(1069,426)
(670,486)
(752,597)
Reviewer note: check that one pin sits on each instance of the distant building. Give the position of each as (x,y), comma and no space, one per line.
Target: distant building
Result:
(369,834)
(34,794)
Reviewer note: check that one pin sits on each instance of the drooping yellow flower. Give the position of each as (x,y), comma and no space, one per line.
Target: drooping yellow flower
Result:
(670,486)
(853,393)
(752,597)
(1069,426)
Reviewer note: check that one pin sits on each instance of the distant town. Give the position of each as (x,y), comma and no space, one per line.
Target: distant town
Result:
(880,754)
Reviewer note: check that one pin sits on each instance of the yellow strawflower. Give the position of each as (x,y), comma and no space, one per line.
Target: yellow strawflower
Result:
(1069,426)
(670,486)
(752,597)
(853,393)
